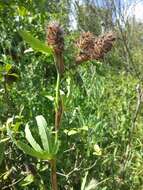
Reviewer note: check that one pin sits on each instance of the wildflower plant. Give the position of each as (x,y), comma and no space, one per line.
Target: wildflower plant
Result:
(89,48)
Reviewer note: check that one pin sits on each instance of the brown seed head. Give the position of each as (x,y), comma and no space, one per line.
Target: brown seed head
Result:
(55,37)
(94,48)
(86,47)
(103,45)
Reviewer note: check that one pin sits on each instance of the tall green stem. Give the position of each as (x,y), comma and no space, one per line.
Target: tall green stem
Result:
(57,106)
(57,92)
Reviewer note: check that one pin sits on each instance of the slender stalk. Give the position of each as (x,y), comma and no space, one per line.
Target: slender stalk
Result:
(53,175)
(59,63)
(58,105)
(53,161)
(57,92)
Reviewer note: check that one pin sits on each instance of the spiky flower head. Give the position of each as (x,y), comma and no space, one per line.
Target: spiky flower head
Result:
(91,48)
(55,37)
(103,45)
(85,44)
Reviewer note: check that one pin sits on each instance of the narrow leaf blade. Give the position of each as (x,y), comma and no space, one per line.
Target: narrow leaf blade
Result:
(42,126)
(31,140)
(28,150)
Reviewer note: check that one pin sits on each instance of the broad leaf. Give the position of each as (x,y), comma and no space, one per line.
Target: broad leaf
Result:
(35,43)
(31,140)
(42,127)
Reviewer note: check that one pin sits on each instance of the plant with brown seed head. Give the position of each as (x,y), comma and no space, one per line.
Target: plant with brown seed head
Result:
(55,38)
(91,48)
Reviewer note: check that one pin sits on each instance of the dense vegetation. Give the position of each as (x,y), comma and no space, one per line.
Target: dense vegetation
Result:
(100,140)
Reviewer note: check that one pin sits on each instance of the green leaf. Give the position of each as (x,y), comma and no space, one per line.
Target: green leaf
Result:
(22,11)
(27,180)
(14,75)
(48,156)
(84,128)
(51,98)
(8,67)
(72,132)
(28,150)
(7,174)
(42,127)
(35,43)
(31,140)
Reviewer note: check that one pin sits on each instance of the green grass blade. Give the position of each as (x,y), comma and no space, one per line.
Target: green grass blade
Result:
(35,43)
(31,140)
(42,127)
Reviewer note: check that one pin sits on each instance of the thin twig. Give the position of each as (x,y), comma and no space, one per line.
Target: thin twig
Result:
(14,183)
(70,149)
(90,167)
